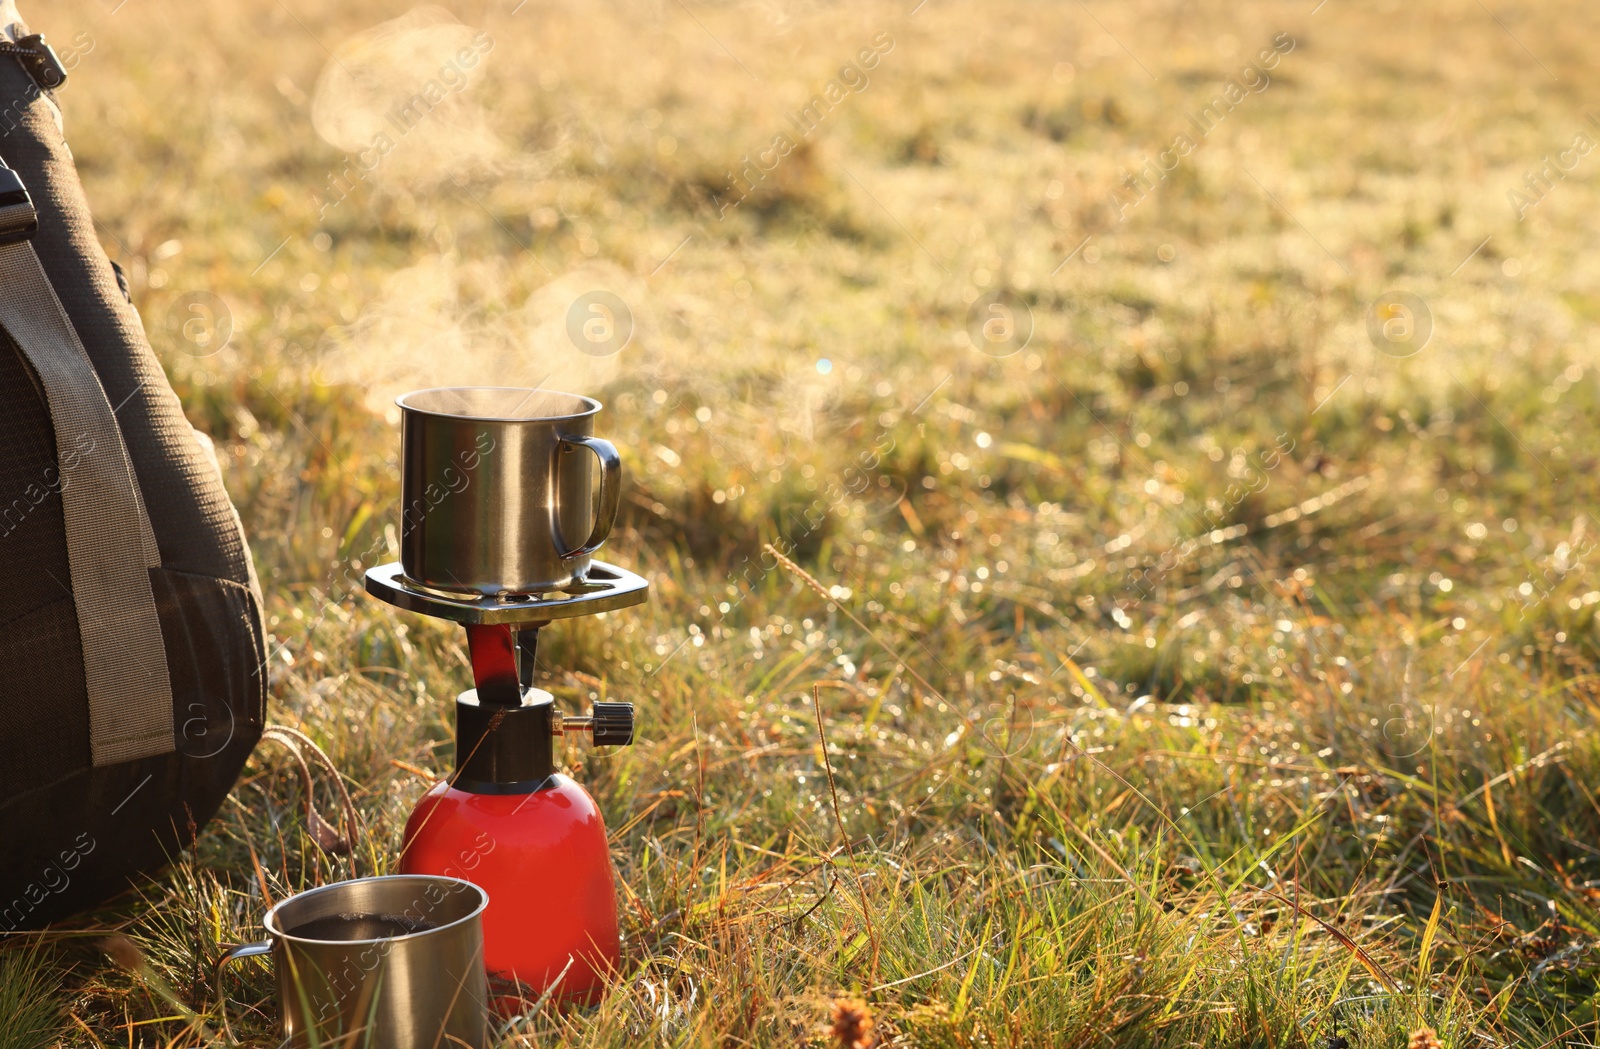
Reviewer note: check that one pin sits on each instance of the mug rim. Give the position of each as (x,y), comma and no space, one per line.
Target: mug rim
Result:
(269,920)
(592,406)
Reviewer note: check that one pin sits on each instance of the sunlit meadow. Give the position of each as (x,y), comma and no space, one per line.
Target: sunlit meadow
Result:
(1178,423)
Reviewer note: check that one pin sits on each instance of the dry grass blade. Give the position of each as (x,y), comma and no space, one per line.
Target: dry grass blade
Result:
(822,591)
(1367,962)
(833,792)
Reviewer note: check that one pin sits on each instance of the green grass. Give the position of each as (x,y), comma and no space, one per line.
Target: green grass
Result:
(34,1017)
(1198,675)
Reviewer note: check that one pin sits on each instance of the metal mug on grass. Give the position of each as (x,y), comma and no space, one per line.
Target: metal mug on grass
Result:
(498,488)
(379,963)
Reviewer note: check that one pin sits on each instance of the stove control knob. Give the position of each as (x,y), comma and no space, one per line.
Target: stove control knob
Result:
(613,724)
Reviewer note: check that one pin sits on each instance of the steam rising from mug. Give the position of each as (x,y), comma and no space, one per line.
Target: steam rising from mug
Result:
(400,100)
(429,328)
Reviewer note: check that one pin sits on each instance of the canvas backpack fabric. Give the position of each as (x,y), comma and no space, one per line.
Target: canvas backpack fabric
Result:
(132,681)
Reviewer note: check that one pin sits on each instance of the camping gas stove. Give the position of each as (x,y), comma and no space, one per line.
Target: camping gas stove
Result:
(505,819)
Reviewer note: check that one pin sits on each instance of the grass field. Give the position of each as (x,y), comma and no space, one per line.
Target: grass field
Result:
(1214,669)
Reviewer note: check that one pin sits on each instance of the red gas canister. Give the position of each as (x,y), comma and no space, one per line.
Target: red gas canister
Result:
(533,839)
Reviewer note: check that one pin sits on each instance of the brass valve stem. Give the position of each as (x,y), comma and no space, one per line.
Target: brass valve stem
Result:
(563,723)
(609,724)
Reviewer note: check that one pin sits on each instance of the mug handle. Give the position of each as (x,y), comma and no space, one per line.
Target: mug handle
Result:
(244,950)
(610,490)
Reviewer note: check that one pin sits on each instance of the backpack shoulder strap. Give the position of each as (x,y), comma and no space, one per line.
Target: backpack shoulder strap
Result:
(110,545)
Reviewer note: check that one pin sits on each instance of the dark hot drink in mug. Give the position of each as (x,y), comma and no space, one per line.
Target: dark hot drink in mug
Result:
(386,963)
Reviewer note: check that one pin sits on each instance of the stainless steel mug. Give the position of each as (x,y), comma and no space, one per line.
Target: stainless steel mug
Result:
(497,488)
(386,963)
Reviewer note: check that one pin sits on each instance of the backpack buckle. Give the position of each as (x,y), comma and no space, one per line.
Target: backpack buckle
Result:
(41,62)
(18,219)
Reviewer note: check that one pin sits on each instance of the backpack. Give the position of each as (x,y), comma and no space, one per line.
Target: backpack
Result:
(132,680)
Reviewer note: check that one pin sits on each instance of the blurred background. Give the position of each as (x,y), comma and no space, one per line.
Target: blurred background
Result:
(1185,414)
